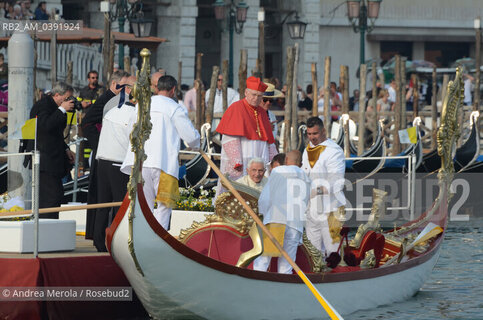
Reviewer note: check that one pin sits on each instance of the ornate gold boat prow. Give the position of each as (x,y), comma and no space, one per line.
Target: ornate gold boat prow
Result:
(138,136)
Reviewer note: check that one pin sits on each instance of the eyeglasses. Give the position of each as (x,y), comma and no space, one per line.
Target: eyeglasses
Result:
(220,79)
(267,99)
(93,77)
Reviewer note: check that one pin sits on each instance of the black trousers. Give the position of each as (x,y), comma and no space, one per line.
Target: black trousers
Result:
(92,135)
(51,193)
(111,187)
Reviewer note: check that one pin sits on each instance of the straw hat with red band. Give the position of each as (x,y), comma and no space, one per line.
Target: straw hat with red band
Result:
(271,92)
(256,84)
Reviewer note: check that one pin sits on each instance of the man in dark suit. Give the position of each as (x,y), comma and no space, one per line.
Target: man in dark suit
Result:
(55,156)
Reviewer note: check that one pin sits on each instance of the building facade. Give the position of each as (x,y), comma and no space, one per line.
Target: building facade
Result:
(439,31)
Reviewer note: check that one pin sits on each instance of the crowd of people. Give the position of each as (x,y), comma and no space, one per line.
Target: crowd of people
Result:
(248,149)
(248,135)
(21,10)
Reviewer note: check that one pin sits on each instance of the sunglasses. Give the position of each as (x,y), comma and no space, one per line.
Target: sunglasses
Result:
(267,99)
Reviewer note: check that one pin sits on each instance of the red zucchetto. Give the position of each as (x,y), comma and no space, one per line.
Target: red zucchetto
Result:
(255,83)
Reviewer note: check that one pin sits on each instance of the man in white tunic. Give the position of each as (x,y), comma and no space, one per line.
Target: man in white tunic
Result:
(231,96)
(111,151)
(323,161)
(246,131)
(170,123)
(284,201)
(255,178)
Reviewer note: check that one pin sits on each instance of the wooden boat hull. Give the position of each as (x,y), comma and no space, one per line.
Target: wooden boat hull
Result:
(178,281)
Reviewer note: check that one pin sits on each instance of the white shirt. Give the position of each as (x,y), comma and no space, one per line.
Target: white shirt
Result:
(328,172)
(231,96)
(285,197)
(114,137)
(170,123)
(392,94)
(273,123)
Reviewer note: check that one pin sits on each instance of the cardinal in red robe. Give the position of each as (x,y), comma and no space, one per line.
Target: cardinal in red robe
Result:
(246,132)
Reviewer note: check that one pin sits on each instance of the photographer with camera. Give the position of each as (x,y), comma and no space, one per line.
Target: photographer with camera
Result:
(56,158)
(76,103)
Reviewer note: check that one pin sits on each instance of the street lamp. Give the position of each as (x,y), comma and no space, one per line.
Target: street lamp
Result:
(358,11)
(121,10)
(296,28)
(237,15)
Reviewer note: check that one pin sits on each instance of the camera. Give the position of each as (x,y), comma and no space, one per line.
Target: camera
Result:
(77,104)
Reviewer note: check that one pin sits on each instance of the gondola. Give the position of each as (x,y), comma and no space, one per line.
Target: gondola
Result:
(396,165)
(477,166)
(378,149)
(176,279)
(303,141)
(197,170)
(465,156)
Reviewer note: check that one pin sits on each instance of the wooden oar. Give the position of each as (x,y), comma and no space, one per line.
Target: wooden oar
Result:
(65,208)
(334,315)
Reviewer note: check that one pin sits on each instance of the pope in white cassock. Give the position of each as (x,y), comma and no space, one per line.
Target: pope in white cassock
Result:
(324,162)
(246,131)
(283,201)
(170,123)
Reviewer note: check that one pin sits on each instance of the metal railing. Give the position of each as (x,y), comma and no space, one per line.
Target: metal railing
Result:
(411,182)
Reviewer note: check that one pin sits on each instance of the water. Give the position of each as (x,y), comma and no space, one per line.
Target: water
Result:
(455,288)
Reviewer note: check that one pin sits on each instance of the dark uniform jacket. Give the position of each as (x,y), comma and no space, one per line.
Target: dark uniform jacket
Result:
(50,136)
(91,95)
(93,118)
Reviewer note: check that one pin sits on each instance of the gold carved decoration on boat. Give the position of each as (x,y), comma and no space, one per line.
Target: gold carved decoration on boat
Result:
(232,211)
(316,262)
(377,211)
(138,136)
(449,130)
(247,257)
(447,136)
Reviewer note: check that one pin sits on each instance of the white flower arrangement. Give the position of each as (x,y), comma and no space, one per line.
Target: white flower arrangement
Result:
(196,200)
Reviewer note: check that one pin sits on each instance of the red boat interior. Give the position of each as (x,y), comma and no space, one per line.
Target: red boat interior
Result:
(226,244)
